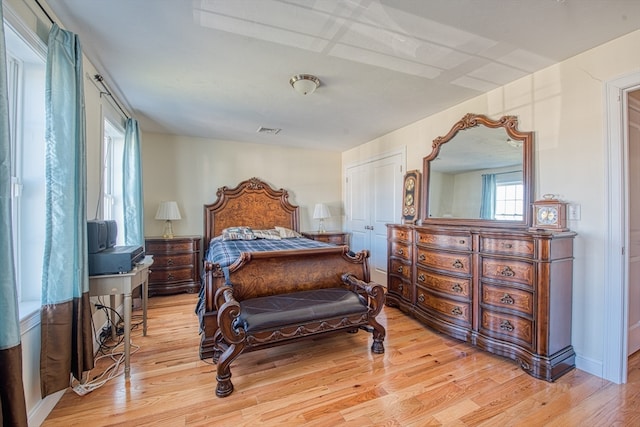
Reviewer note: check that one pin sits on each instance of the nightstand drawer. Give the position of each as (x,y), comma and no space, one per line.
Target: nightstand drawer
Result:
(171,246)
(332,237)
(173,260)
(171,275)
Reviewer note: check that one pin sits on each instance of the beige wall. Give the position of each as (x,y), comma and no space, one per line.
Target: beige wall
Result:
(564,106)
(190,170)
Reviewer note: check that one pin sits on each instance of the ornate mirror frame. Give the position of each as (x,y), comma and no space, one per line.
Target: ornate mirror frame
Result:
(510,125)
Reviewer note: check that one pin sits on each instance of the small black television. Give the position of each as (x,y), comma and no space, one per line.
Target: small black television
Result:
(101,235)
(97,233)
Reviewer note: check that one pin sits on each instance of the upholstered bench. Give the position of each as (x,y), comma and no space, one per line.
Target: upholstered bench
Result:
(277,319)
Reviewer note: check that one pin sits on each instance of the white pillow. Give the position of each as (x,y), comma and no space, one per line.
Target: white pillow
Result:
(287,233)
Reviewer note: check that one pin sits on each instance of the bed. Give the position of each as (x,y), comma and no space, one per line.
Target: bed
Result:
(255,206)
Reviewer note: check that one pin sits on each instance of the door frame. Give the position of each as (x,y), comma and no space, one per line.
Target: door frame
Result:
(616,278)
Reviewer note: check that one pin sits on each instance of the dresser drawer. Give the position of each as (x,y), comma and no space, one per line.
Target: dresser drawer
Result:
(400,287)
(456,286)
(397,233)
(508,270)
(520,247)
(460,241)
(171,245)
(398,267)
(171,275)
(516,329)
(173,260)
(508,298)
(459,263)
(400,250)
(456,311)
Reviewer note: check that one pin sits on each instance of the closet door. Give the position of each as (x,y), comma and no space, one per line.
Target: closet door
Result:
(373,200)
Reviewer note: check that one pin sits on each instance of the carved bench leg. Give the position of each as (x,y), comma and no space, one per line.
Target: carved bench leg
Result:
(217,349)
(223,376)
(378,336)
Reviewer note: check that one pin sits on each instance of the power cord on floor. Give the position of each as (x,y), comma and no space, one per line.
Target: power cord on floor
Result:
(107,350)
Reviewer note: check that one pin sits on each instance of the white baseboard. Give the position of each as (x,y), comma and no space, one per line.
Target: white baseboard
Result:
(42,409)
(591,366)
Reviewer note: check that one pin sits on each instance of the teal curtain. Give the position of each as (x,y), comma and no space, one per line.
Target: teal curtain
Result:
(132,183)
(66,313)
(488,203)
(14,410)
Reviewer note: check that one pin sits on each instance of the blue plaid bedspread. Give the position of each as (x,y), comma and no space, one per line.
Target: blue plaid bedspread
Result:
(226,252)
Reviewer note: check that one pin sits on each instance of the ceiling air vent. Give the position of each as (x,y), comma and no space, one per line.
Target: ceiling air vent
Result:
(273,131)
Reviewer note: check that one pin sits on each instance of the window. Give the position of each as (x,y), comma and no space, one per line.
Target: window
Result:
(26,87)
(509,200)
(113,152)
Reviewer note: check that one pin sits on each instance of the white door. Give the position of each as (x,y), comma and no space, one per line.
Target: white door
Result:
(373,200)
(633,344)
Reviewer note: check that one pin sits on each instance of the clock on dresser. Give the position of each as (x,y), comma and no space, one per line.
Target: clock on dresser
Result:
(549,213)
(176,264)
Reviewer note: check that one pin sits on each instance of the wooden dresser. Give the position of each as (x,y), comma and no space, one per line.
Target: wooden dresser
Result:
(335,237)
(176,264)
(505,291)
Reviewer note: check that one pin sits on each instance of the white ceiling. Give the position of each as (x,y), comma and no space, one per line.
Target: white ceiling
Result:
(220,69)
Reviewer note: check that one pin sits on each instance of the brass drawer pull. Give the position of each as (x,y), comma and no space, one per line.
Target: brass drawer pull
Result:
(400,287)
(400,269)
(421,277)
(400,252)
(507,272)
(422,257)
(456,288)
(506,299)
(457,264)
(421,298)
(508,245)
(457,311)
(462,242)
(506,326)
(170,261)
(170,276)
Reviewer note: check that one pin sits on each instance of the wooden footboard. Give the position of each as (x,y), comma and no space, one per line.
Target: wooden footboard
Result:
(259,274)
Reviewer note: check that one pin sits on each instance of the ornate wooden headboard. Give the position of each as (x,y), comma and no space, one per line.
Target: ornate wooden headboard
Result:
(253,203)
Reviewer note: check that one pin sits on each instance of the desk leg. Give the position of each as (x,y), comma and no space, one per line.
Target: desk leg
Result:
(145,298)
(127,334)
(111,316)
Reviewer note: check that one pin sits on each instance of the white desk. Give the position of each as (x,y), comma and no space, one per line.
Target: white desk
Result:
(124,284)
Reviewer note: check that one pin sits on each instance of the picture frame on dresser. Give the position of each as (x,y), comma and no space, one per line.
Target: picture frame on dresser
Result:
(411,190)
(176,266)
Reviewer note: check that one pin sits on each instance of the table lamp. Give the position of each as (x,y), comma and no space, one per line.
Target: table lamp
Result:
(168,211)
(321,212)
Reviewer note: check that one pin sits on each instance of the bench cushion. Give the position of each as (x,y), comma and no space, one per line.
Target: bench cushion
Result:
(273,311)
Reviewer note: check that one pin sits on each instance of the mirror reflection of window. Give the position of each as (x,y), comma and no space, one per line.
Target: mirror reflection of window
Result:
(509,201)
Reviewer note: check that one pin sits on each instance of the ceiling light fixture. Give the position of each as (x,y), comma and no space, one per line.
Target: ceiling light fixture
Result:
(304,84)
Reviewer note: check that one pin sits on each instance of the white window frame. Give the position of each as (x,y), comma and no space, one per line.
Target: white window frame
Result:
(112,188)
(26,54)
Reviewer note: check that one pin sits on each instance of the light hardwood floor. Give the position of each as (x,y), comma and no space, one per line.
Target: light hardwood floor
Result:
(423,379)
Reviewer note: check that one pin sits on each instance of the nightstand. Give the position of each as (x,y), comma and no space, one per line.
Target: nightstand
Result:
(335,237)
(176,264)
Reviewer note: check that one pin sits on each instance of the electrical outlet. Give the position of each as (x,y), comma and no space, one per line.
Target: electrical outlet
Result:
(574,212)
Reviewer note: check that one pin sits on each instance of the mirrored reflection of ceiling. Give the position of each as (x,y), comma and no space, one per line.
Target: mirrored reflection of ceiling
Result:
(478,148)
(220,68)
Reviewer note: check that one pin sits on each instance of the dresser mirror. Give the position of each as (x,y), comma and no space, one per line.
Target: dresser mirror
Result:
(480,173)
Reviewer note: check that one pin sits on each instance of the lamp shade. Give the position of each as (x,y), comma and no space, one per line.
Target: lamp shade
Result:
(321,211)
(168,211)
